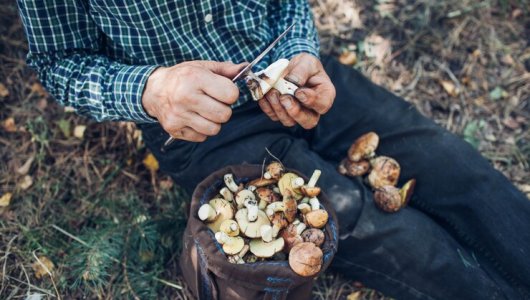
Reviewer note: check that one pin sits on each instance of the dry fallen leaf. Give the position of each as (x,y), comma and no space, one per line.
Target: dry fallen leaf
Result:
(24,169)
(449,87)
(4,92)
(5,199)
(79,131)
(43,266)
(378,48)
(26,182)
(38,89)
(348,58)
(151,163)
(354,295)
(9,125)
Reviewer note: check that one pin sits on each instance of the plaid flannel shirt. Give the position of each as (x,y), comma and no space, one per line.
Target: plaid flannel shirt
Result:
(96,55)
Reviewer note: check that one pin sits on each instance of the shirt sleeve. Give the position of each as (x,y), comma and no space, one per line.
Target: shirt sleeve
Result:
(303,37)
(65,50)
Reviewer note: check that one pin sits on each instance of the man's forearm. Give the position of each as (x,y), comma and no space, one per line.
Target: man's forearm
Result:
(94,85)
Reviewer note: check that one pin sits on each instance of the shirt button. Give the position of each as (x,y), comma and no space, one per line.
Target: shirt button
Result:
(208,18)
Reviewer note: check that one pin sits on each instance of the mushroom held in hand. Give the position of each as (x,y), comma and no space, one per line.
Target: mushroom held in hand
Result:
(305,259)
(385,171)
(364,147)
(272,77)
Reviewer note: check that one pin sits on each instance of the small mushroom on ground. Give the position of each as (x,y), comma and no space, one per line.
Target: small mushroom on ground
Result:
(231,245)
(352,168)
(407,190)
(275,170)
(286,185)
(242,196)
(227,194)
(230,183)
(291,237)
(224,211)
(305,259)
(238,258)
(272,77)
(364,147)
(388,198)
(264,250)
(207,213)
(229,227)
(317,218)
(313,235)
(251,229)
(385,171)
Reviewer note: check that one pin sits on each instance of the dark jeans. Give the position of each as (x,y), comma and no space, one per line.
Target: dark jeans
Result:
(466,232)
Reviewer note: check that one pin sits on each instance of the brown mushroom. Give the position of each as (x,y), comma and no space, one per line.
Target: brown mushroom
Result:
(313,235)
(364,147)
(278,223)
(317,218)
(261,182)
(264,250)
(388,198)
(265,196)
(224,211)
(385,171)
(291,237)
(290,208)
(310,191)
(274,170)
(352,168)
(305,259)
(251,229)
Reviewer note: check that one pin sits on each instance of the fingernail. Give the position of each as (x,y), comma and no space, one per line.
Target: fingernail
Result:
(286,102)
(301,97)
(273,98)
(292,78)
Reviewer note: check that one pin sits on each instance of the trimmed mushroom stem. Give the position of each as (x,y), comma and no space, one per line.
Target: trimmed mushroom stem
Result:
(300,227)
(251,188)
(266,233)
(314,178)
(227,194)
(274,207)
(230,183)
(304,208)
(252,207)
(297,182)
(207,213)
(315,204)
(267,175)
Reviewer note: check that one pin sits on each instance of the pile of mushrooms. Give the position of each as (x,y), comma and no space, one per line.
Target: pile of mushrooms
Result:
(383,173)
(275,217)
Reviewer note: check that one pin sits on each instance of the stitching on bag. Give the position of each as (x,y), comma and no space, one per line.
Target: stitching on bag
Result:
(278,279)
(202,262)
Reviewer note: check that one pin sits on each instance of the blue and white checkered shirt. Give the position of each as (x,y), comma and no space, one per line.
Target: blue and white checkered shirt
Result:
(96,55)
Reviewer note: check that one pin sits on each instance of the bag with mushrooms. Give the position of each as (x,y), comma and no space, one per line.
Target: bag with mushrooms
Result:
(253,234)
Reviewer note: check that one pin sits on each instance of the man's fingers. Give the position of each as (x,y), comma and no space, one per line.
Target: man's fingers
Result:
(319,99)
(224,68)
(301,68)
(188,134)
(218,87)
(202,125)
(273,97)
(211,109)
(267,109)
(307,118)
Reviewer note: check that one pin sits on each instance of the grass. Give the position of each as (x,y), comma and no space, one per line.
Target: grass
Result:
(95,190)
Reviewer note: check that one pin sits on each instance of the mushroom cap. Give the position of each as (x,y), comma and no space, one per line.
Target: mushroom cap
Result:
(314,235)
(310,191)
(388,198)
(251,229)
(286,186)
(407,190)
(317,218)
(352,168)
(275,169)
(304,208)
(233,245)
(385,171)
(261,182)
(291,237)
(305,259)
(363,147)
(279,218)
(229,227)
(264,250)
(224,211)
(265,194)
(290,208)
(243,196)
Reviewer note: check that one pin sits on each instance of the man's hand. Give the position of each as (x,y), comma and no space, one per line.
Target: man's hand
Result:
(191,100)
(314,97)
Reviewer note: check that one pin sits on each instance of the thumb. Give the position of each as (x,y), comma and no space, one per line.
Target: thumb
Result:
(224,68)
(300,70)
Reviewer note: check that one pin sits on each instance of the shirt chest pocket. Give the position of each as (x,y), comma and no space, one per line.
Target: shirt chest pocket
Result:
(248,18)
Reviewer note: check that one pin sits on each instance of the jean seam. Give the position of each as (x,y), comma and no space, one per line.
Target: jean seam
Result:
(385,276)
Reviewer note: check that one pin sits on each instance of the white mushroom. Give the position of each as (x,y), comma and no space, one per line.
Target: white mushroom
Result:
(231,245)
(274,207)
(227,194)
(266,233)
(304,208)
(230,183)
(238,258)
(265,250)
(272,77)
(315,204)
(229,227)
(207,213)
(251,188)
(223,209)
(251,229)
(243,196)
(297,182)
(314,178)
(300,226)
(252,207)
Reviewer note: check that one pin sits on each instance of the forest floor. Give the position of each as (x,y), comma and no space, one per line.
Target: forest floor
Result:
(80,198)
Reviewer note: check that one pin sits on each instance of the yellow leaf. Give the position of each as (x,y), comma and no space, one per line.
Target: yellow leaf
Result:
(5,199)
(354,295)
(4,92)
(24,169)
(26,182)
(9,125)
(348,58)
(43,266)
(449,87)
(79,131)
(151,163)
